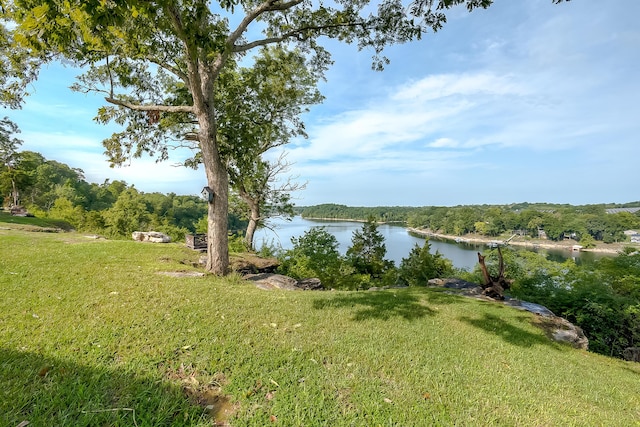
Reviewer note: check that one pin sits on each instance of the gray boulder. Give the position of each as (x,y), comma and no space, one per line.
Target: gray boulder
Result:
(269,281)
(631,354)
(312,284)
(150,236)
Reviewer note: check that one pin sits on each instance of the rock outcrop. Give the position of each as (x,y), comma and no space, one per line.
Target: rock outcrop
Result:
(150,236)
(556,328)
(252,264)
(262,271)
(631,354)
(270,281)
(561,330)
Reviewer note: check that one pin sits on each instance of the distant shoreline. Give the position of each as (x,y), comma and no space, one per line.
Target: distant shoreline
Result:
(605,248)
(610,248)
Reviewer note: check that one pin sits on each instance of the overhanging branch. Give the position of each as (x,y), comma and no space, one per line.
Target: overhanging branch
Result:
(165,108)
(267,6)
(298,34)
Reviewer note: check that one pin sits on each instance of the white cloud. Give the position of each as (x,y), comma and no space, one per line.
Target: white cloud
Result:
(86,153)
(435,87)
(444,143)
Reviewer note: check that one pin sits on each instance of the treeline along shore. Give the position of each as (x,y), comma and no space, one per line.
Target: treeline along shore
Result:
(605,228)
(530,243)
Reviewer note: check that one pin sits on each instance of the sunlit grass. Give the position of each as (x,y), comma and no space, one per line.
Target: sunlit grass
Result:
(31,223)
(92,334)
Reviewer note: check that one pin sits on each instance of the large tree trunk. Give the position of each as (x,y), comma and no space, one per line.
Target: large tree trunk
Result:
(218,182)
(217,218)
(202,76)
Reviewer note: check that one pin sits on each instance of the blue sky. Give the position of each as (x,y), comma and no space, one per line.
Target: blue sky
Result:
(525,101)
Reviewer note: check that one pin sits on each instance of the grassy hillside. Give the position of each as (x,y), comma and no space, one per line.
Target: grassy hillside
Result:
(92,333)
(31,223)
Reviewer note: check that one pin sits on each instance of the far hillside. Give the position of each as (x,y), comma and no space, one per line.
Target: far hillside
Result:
(586,224)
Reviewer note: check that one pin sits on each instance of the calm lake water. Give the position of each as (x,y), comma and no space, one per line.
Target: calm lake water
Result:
(398,241)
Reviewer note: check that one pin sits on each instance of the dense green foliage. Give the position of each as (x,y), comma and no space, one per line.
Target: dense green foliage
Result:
(421,265)
(50,189)
(367,251)
(314,254)
(602,297)
(334,211)
(586,224)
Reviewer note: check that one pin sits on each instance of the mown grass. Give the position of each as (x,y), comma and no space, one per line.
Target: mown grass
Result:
(92,334)
(32,223)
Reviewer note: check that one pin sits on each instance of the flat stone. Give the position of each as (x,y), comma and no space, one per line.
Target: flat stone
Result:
(150,236)
(269,281)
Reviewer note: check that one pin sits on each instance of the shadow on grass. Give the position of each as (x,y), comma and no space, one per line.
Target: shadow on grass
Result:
(45,391)
(634,371)
(508,332)
(405,303)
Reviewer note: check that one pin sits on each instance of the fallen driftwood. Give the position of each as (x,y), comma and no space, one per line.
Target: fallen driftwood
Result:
(494,286)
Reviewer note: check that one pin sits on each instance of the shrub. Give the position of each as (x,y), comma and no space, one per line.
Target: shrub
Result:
(367,251)
(421,265)
(602,298)
(314,254)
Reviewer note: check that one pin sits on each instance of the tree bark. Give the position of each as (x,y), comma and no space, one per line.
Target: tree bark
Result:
(202,87)
(217,219)
(253,225)
(14,192)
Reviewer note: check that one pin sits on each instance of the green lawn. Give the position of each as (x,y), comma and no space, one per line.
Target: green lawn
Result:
(31,223)
(91,334)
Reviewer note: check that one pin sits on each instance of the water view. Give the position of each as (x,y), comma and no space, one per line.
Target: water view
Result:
(398,241)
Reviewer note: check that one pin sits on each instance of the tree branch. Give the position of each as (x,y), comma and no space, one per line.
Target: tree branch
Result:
(297,33)
(174,70)
(137,107)
(267,6)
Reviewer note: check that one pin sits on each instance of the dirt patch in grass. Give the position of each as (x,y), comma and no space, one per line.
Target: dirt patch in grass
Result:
(205,392)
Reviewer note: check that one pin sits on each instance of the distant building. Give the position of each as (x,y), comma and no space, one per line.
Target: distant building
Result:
(542,234)
(633,235)
(618,210)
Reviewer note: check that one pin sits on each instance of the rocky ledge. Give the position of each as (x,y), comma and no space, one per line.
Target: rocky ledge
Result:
(556,328)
